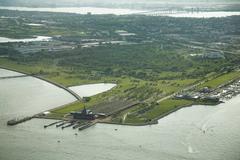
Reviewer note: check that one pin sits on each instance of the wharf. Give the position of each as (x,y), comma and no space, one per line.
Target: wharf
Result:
(86,126)
(51,124)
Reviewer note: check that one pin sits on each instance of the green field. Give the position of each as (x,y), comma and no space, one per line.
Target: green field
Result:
(147,114)
(147,67)
(219,80)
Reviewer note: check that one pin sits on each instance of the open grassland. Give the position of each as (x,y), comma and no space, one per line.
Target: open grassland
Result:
(220,80)
(125,91)
(127,87)
(149,66)
(144,114)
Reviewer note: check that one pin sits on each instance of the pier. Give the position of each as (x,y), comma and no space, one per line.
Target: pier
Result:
(74,124)
(78,125)
(68,125)
(61,124)
(51,124)
(86,126)
(18,120)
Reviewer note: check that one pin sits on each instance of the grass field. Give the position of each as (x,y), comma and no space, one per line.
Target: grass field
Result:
(144,115)
(149,67)
(222,79)
(127,87)
(166,106)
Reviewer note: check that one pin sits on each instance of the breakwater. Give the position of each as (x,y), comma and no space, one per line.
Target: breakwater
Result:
(46,80)
(18,120)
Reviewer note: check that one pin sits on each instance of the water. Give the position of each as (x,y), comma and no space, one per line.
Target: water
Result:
(29,95)
(204,14)
(198,132)
(92,89)
(119,11)
(7,73)
(34,24)
(11,40)
(78,10)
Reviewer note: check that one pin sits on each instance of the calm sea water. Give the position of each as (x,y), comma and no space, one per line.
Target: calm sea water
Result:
(198,132)
(92,89)
(6,73)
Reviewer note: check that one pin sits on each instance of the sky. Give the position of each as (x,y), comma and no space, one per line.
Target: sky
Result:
(52,3)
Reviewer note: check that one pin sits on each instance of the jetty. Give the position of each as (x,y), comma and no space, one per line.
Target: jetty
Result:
(78,125)
(60,86)
(51,124)
(38,76)
(61,124)
(19,76)
(68,125)
(18,120)
(85,126)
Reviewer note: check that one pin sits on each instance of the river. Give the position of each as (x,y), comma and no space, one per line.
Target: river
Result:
(198,132)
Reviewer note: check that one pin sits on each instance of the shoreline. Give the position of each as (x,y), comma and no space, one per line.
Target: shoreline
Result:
(152,122)
(155,121)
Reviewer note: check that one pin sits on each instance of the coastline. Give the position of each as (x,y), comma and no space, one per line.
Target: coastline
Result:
(152,122)
(155,120)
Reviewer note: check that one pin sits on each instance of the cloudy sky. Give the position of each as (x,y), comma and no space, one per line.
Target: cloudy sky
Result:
(103,2)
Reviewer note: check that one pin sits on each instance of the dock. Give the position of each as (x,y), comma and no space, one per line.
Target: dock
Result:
(68,125)
(51,124)
(78,125)
(61,124)
(85,126)
(73,124)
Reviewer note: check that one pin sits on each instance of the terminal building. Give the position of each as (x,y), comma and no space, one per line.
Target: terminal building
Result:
(84,114)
